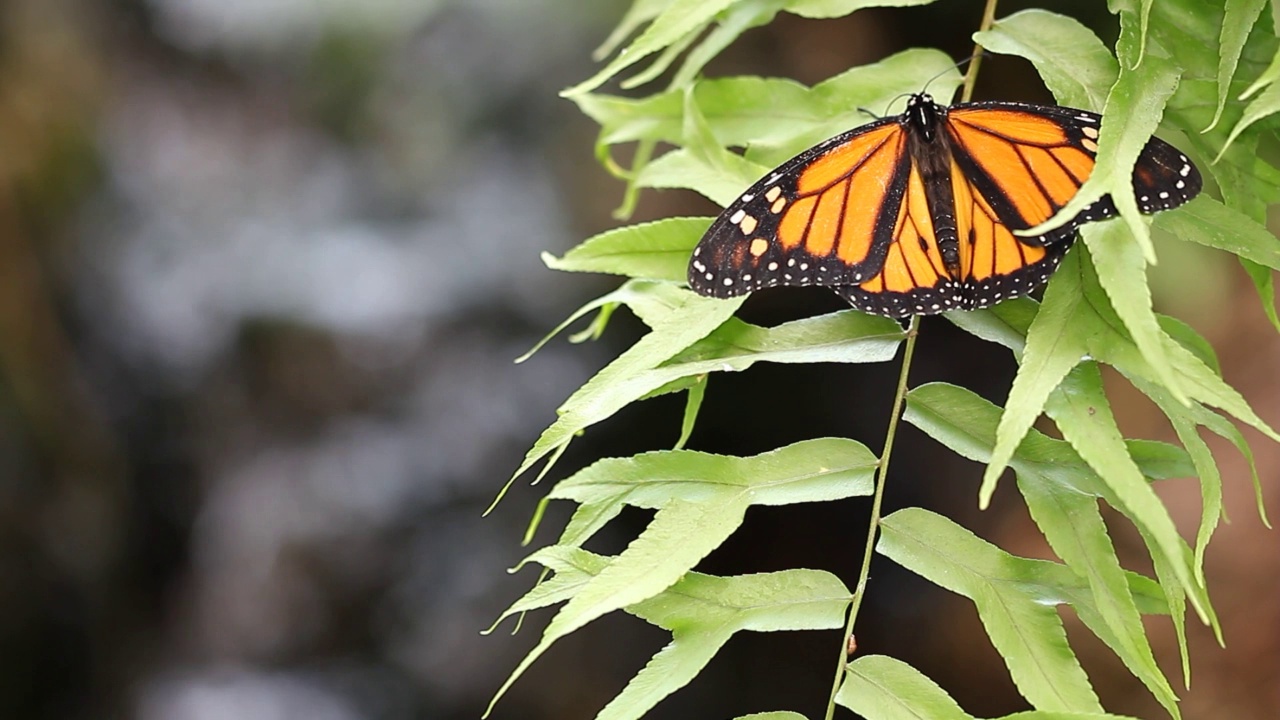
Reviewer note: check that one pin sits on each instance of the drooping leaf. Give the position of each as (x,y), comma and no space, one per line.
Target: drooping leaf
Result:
(839,8)
(702,612)
(693,403)
(633,374)
(1062,493)
(681,169)
(809,471)
(1055,342)
(882,688)
(1014,598)
(1132,112)
(743,111)
(1240,17)
(656,250)
(674,23)
(1210,223)
(1073,63)
(1266,104)
(1122,274)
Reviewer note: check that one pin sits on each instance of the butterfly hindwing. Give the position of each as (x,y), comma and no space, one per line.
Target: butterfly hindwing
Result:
(994,264)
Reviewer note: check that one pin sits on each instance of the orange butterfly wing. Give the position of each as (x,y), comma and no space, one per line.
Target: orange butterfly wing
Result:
(854,212)
(819,219)
(994,264)
(1011,168)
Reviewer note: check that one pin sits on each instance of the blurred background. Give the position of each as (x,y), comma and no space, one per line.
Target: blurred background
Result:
(264,266)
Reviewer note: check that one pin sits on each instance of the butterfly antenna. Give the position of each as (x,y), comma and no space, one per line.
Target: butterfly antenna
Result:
(956,66)
(928,82)
(871,113)
(889,104)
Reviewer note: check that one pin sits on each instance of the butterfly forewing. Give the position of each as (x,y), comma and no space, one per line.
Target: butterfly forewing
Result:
(816,220)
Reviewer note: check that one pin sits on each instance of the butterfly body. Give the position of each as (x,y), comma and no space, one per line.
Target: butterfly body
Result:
(930,152)
(917,214)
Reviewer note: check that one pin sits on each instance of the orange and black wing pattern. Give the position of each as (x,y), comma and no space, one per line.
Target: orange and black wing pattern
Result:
(824,217)
(993,264)
(1029,161)
(1012,167)
(917,215)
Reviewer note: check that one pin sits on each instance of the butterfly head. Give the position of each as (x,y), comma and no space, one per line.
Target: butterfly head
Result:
(923,114)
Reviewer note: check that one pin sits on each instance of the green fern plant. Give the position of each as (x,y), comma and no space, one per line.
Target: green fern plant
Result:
(1206,72)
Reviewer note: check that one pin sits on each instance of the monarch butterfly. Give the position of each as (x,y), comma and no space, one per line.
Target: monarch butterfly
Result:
(914,214)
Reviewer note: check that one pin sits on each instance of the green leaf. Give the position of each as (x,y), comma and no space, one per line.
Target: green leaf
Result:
(743,16)
(683,169)
(640,12)
(1240,17)
(780,114)
(1130,117)
(680,535)
(656,250)
(701,611)
(966,424)
(1095,320)
(1061,492)
(1187,337)
(845,98)
(1248,182)
(675,22)
(1264,284)
(1206,469)
(1184,419)
(633,374)
(1073,63)
(1144,22)
(1267,103)
(663,62)
(1122,273)
(1090,328)
(882,688)
(1014,597)
(1004,324)
(1207,222)
(810,471)
(650,301)
(839,8)
(846,337)
(693,404)
(1268,76)
(1055,343)
(736,108)
(1080,410)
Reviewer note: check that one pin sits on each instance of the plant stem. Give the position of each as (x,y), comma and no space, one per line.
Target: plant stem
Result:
(882,469)
(971,76)
(899,399)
